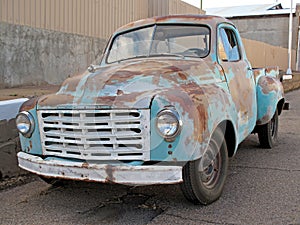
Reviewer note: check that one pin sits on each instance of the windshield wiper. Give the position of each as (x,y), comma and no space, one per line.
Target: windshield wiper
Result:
(133,57)
(168,54)
(151,55)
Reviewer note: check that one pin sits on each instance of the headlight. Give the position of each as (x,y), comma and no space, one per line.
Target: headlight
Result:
(25,123)
(168,123)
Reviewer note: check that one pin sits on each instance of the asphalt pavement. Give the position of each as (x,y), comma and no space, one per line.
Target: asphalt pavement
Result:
(263,187)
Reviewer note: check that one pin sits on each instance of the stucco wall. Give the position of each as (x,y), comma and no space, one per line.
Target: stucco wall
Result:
(31,56)
(273,30)
(265,55)
(9,146)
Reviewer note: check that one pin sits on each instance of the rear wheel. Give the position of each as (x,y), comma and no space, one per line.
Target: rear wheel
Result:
(267,133)
(204,179)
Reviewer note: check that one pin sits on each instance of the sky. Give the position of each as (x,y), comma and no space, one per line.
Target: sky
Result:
(227,3)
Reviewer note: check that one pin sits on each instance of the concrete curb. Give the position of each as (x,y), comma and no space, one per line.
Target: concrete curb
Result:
(9,140)
(293,84)
(10,108)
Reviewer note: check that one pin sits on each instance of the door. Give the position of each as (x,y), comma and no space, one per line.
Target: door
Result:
(239,76)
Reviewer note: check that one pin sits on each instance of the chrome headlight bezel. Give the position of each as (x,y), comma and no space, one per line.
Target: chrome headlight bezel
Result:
(22,119)
(175,125)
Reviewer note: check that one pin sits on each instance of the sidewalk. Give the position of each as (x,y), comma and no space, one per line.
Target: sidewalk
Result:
(9,141)
(27,91)
(293,84)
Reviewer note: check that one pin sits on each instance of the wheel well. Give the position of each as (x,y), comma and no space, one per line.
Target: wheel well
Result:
(280,106)
(230,136)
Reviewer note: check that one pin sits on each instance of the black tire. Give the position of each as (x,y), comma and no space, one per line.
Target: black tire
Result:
(268,133)
(204,179)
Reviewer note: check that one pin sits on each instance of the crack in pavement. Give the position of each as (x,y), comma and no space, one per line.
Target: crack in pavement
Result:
(265,168)
(114,200)
(198,221)
(136,199)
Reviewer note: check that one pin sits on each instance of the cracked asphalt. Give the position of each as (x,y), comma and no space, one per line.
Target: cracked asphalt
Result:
(263,187)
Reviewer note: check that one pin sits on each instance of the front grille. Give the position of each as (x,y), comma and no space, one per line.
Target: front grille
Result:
(96,134)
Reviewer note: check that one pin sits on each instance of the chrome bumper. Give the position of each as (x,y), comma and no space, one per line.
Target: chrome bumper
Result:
(106,173)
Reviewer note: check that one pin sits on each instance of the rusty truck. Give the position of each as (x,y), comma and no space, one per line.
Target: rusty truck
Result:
(169,102)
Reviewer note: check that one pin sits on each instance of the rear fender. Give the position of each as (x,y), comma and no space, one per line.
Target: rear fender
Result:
(269,92)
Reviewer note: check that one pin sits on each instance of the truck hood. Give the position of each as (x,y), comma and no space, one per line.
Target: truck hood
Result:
(127,85)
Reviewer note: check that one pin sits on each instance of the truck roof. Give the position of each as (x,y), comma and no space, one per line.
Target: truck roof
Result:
(173,19)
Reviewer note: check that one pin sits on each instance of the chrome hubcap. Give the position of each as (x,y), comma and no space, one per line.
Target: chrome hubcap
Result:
(210,166)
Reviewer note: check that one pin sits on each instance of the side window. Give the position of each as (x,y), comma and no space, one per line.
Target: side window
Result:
(228,46)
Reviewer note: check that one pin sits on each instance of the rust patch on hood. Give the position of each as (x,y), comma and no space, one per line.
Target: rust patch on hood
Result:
(54,100)
(193,102)
(125,84)
(28,105)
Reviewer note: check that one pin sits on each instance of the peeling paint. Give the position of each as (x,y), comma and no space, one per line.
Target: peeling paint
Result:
(205,92)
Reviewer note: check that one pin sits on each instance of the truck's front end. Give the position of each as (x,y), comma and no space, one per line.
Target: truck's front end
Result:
(123,121)
(104,145)
(148,114)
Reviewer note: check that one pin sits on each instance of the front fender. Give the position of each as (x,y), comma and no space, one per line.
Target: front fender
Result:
(201,109)
(269,92)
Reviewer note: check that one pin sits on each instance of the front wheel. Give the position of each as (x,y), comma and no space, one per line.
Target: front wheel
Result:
(267,133)
(204,179)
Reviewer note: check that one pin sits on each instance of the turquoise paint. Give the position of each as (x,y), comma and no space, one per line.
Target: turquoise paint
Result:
(249,74)
(221,109)
(32,145)
(218,75)
(261,73)
(267,102)
(183,148)
(239,39)
(165,83)
(158,146)
(63,159)
(230,75)
(188,148)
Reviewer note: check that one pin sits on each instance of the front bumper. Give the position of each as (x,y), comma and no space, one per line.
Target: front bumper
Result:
(106,173)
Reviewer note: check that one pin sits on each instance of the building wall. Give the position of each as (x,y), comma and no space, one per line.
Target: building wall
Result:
(31,56)
(264,55)
(273,30)
(167,7)
(45,41)
(96,18)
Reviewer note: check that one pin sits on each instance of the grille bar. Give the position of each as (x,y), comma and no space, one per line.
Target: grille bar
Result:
(95,126)
(88,119)
(78,134)
(96,134)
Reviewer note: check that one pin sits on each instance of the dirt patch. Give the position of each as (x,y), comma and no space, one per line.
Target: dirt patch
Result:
(27,91)
(11,182)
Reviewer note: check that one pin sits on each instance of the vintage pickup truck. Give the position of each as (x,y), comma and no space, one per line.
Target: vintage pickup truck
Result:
(170,101)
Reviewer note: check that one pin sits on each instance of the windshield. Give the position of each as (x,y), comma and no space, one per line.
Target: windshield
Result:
(161,40)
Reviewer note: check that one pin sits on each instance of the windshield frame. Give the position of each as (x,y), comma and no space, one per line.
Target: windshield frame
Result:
(155,26)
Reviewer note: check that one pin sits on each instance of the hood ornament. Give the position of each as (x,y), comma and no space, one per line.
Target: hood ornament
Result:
(93,68)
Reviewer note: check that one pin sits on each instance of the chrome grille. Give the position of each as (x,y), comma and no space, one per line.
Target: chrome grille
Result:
(96,134)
